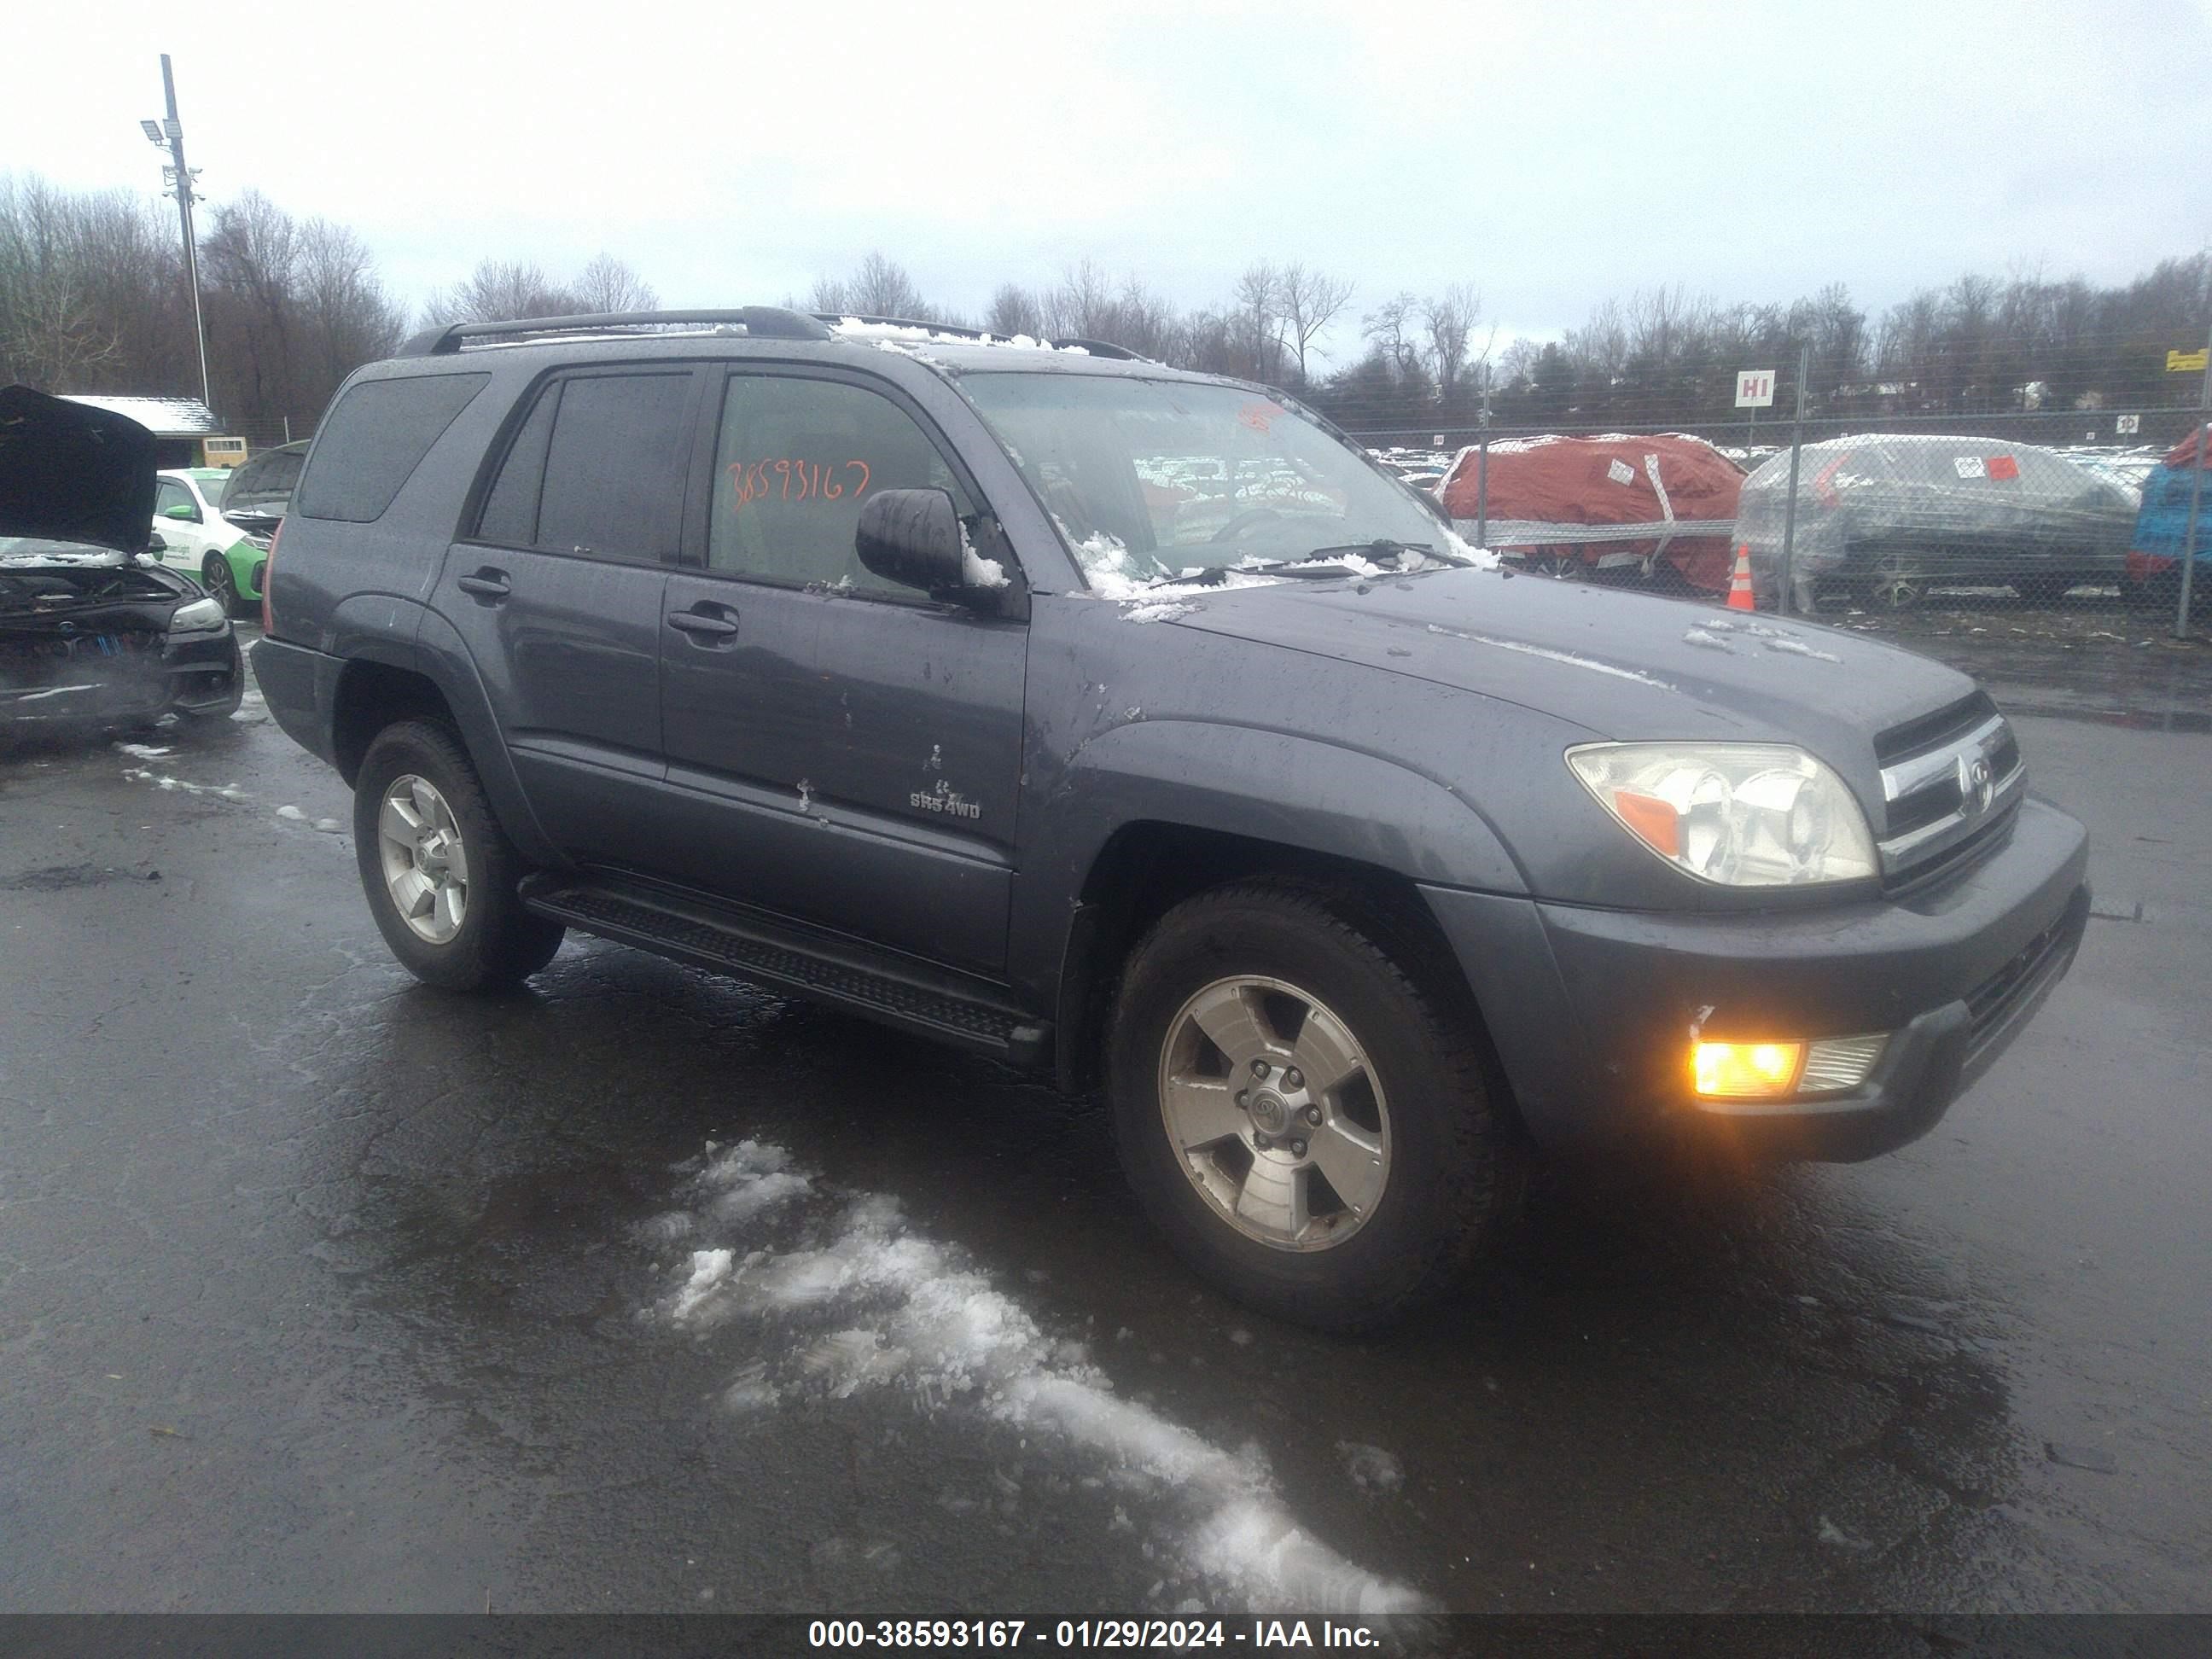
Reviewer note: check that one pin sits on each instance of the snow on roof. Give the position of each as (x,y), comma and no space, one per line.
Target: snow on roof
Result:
(861,328)
(165,417)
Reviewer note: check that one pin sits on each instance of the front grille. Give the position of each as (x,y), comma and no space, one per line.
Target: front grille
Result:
(1950,784)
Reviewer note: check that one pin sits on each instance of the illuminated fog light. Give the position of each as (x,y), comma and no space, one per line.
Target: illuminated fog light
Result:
(1746,1071)
(1836,1064)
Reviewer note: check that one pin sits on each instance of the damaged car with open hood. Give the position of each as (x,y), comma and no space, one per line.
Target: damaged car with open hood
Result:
(92,632)
(1129,726)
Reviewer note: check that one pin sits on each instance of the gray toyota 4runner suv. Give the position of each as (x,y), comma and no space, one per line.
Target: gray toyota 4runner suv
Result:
(1131,726)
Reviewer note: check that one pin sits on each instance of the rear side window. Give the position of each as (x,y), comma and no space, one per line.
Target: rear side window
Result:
(374,439)
(597,469)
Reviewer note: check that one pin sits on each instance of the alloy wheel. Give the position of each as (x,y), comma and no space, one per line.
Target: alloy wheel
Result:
(1276,1113)
(425,863)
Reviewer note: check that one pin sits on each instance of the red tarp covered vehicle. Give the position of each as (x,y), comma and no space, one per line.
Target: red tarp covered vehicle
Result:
(1630,491)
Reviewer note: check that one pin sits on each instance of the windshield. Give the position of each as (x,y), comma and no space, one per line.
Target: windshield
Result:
(1158,479)
(266,481)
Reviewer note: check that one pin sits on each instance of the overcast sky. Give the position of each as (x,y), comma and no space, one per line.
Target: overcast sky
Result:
(1551,154)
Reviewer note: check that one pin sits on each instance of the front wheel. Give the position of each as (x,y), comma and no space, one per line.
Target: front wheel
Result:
(1298,1115)
(439,872)
(221,584)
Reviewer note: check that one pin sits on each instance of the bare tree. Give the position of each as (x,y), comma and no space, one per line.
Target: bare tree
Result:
(610,285)
(881,288)
(1015,310)
(1391,326)
(1448,320)
(1080,307)
(501,291)
(1259,310)
(1309,302)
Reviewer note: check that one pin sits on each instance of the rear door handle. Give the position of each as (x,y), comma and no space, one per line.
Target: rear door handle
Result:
(705,624)
(487,583)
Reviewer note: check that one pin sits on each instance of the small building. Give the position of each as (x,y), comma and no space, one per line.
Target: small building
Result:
(182,428)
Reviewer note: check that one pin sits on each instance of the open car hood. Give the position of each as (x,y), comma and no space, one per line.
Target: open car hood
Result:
(72,473)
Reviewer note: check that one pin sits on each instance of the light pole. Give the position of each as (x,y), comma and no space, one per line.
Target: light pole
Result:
(170,136)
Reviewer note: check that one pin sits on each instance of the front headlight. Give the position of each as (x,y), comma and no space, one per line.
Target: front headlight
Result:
(1741,814)
(198,616)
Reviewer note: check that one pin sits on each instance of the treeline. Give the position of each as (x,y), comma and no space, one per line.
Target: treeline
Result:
(1977,345)
(93,298)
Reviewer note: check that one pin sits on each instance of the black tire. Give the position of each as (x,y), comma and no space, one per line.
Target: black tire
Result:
(221,586)
(498,943)
(1454,1174)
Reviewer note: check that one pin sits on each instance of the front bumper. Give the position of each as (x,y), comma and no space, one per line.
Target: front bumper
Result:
(1593,1012)
(192,673)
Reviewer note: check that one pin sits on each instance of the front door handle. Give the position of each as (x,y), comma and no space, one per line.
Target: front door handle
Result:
(704,626)
(486,584)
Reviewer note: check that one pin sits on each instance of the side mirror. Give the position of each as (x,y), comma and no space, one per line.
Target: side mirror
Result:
(185,511)
(912,537)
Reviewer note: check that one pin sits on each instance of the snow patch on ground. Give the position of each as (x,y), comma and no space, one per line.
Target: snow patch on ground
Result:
(164,781)
(291,813)
(857,1301)
(144,751)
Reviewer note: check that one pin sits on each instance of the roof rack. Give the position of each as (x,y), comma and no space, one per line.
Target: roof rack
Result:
(1096,348)
(762,322)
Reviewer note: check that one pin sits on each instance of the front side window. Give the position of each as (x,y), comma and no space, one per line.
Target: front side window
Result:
(796,461)
(1153,479)
(596,469)
(168,493)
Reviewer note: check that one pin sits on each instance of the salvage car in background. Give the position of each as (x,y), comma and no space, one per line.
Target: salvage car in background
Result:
(1884,520)
(190,532)
(92,631)
(1573,507)
(2161,538)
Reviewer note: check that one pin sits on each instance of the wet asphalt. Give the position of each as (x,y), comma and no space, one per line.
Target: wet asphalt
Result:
(319,1291)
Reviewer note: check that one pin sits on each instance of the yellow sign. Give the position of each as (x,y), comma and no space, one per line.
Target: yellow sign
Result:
(2184,362)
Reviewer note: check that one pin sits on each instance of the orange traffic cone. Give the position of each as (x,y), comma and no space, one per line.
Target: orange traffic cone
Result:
(1739,597)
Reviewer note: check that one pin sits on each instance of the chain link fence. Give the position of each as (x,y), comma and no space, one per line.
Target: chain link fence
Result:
(2074,521)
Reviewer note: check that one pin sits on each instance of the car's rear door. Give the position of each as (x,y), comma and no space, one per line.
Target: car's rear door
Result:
(556,590)
(846,749)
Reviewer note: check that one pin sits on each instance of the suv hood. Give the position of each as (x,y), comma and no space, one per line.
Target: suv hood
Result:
(1622,666)
(72,473)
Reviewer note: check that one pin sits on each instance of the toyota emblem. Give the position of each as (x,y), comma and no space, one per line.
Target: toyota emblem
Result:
(1975,785)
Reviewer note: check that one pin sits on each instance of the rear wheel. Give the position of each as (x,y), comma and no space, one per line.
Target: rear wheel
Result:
(1898,582)
(439,872)
(1297,1113)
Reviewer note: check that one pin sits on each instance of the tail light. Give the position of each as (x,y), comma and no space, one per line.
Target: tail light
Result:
(268,570)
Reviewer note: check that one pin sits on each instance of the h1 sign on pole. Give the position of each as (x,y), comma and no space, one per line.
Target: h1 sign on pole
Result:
(1754,391)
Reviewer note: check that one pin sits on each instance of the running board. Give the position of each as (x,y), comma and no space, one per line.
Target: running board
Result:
(770,951)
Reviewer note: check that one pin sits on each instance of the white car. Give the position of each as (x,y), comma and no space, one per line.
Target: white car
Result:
(195,536)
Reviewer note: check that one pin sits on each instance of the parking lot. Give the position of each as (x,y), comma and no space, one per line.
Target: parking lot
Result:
(322,1291)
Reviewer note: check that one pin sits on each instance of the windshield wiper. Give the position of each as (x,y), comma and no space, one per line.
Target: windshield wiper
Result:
(1384,547)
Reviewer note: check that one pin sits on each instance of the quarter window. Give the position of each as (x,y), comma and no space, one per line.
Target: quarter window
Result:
(796,461)
(375,438)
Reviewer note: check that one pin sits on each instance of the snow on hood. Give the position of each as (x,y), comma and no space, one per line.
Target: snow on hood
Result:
(1625,665)
(73,473)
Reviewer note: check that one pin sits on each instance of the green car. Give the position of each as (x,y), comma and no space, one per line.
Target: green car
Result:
(229,547)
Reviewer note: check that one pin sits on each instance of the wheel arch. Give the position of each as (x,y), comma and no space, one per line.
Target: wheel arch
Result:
(373,691)
(1148,866)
